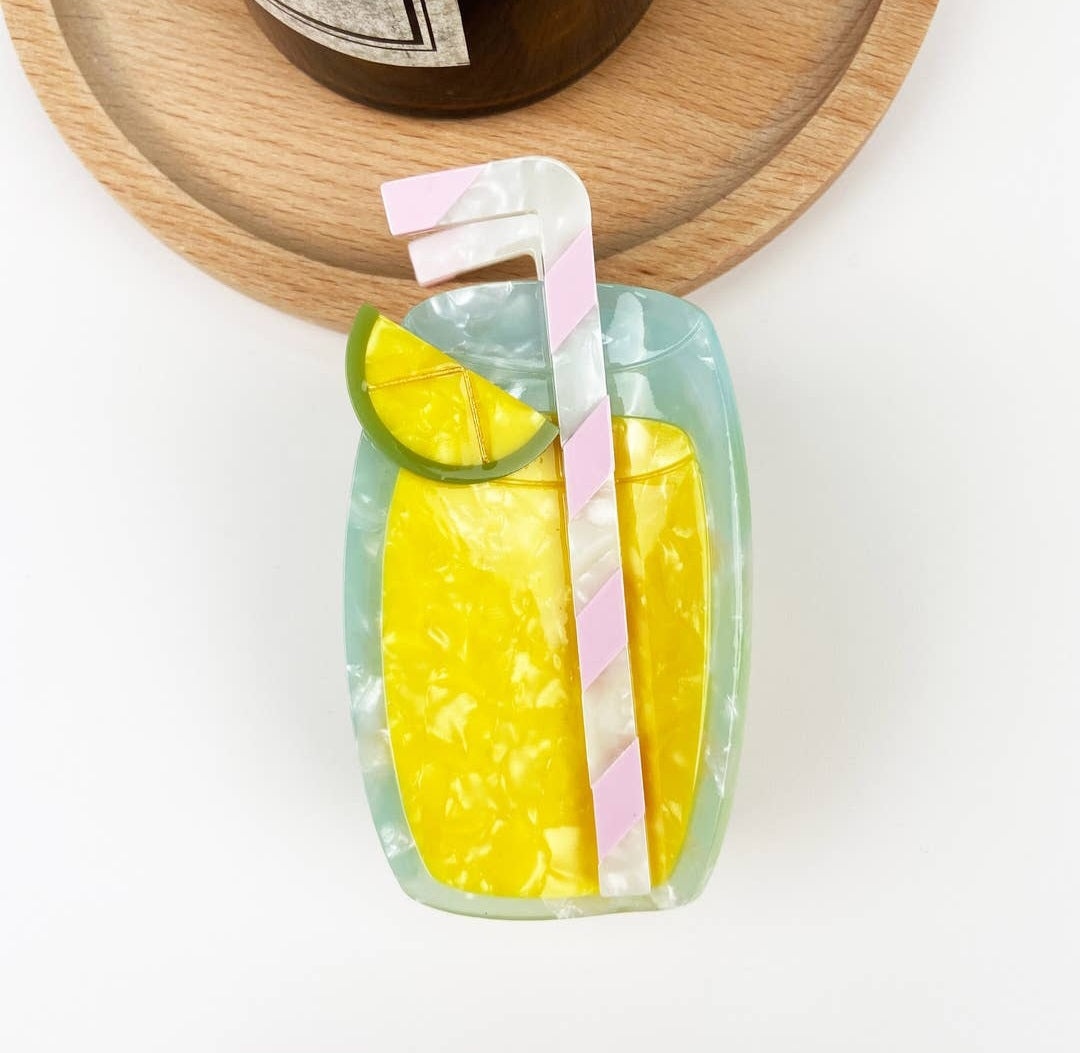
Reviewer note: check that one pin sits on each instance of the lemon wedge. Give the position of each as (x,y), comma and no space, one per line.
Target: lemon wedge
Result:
(430,414)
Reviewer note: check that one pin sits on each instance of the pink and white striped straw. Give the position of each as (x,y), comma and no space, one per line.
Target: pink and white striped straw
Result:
(538,206)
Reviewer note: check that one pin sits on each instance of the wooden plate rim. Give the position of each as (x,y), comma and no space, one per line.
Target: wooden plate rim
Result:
(696,251)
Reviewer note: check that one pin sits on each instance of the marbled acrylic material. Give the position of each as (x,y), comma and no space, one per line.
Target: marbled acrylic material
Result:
(459,628)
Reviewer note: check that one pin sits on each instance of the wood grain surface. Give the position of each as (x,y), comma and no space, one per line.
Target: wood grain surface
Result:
(707,132)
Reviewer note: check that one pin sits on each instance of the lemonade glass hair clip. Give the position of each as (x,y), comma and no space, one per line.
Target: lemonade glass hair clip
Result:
(547,565)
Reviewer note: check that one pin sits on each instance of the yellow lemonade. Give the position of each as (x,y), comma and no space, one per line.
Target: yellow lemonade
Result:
(482,694)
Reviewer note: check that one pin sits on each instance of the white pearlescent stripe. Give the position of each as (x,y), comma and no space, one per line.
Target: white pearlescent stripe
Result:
(625,870)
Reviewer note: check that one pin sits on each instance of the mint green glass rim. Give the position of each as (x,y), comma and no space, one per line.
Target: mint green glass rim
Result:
(664,362)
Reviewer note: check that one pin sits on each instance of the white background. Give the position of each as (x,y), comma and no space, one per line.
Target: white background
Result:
(186,857)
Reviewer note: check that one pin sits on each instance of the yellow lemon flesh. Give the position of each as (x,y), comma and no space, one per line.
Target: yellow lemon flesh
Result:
(480,662)
(430,414)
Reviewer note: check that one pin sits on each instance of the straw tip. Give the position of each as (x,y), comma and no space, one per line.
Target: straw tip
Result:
(419,203)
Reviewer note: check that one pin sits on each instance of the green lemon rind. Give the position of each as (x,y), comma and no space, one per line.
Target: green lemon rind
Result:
(396,450)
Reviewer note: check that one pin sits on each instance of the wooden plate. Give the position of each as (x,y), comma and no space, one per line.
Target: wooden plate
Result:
(708,131)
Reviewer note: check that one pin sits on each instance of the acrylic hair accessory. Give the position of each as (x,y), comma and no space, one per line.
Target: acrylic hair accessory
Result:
(546,637)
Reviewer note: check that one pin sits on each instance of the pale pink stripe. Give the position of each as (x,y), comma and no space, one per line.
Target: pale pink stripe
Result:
(570,289)
(588,459)
(618,799)
(601,629)
(419,202)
